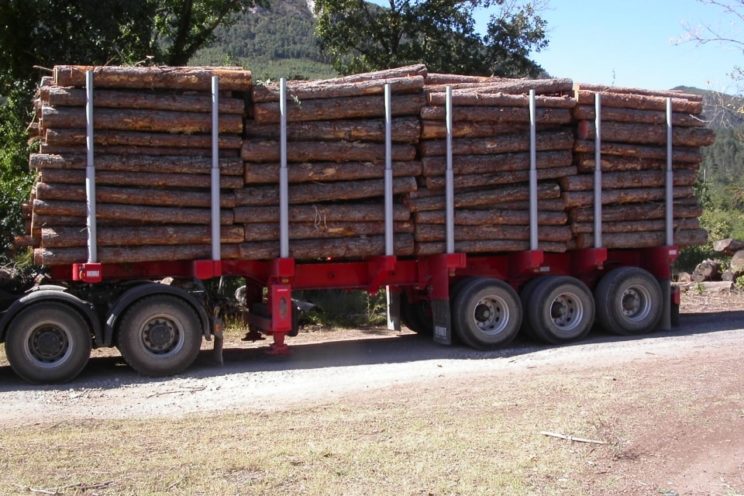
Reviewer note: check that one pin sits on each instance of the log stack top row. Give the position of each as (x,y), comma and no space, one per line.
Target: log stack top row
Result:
(153,146)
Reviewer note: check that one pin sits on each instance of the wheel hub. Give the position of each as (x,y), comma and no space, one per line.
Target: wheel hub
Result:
(566,311)
(160,335)
(491,315)
(48,343)
(636,303)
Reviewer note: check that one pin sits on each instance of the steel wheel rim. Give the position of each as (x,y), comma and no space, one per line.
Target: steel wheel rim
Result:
(491,315)
(566,313)
(635,303)
(163,335)
(48,345)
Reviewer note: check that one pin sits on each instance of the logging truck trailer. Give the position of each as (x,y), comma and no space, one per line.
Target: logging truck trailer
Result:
(158,313)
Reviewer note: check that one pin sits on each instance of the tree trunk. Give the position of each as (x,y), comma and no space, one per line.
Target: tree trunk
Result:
(631,226)
(404,130)
(490,164)
(486,180)
(643,239)
(74,176)
(637,91)
(478,99)
(615,163)
(360,247)
(434,78)
(575,199)
(619,180)
(707,270)
(512,86)
(138,163)
(498,114)
(72,137)
(485,232)
(139,150)
(464,129)
(586,112)
(327,171)
(632,212)
(307,90)
(332,151)
(487,197)
(67,237)
(406,71)
(132,254)
(492,216)
(649,134)
(338,108)
(322,214)
(152,215)
(640,102)
(489,246)
(307,230)
(728,246)
(679,154)
(507,143)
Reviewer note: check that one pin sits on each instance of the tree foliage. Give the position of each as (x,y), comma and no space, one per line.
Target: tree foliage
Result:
(361,36)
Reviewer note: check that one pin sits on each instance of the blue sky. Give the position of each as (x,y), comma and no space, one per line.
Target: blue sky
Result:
(632,43)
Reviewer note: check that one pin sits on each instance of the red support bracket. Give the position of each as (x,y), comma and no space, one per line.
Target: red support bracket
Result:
(283,269)
(206,269)
(526,262)
(659,260)
(439,269)
(588,260)
(379,269)
(280,303)
(90,273)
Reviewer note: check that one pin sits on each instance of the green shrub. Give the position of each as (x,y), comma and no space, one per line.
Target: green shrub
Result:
(346,308)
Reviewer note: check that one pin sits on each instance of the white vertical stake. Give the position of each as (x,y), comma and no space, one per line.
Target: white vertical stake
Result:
(598,170)
(533,174)
(215,197)
(389,245)
(669,178)
(283,174)
(90,171)
(449,177)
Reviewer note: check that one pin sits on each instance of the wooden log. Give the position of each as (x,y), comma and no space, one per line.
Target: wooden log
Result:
(512,86)
(640,102)
(333,151)
(478,99)
(320,192)
(338,108)
(707,270)
(486,232)
(485,197)
(131,254)
(465,129)
(66,237)
(138,150)
(542,206)
(643,239)
(649,134)
(138,163)
(485,180)
(307,90)
(679,154)
(575,199)
(72,137)
(507,143)
(586,112)
(405,71)
(323,213)
(631,226)
(438,78)
(404,130)
(616,163)
(498,114)
(178,78)
(359,247)
(637,91)
(133,196)
(153,215)
(74,176)
(631,212)
(140,120)
(505,162)
(492,216)
(327,171)
(311,230)
(488,246)
(72,97)
(728,246)
(619,180)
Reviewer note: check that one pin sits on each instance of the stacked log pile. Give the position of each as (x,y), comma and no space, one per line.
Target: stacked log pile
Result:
(633,165)
(152,156)
(336,164)
(490,147)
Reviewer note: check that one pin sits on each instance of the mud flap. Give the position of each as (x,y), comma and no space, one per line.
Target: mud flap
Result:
(393,308)
(440,310)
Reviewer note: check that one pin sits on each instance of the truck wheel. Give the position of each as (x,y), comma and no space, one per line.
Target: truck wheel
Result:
(48,342)
(159,335)
(629,301)
(560,309)
(486,313)
(524,295)
(416,316)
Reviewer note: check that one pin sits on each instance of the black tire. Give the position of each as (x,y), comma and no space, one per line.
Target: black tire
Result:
(629,301)
(524,295)
(560,309)
(160,335)
(486,313)
(48,342)
(416,316)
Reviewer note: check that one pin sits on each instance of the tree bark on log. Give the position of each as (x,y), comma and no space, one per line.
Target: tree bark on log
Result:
(133,196)
(575,199)
(639,102)
(176,78)
(72,137)
(437,78)
(307,230)
(308,90)
(406,71)
(464,129)
(486,180)
(153,215)
(69,237)
(620,213)
(637,91)
(511,86)
(507,143)
(72,97)
(478,99)
(505,162)
(131,254)
(436,232)
(620,180)
(553,206)
(322,214)
(320,192)
(631,226)
(137,150)
(404,130)
(484,198)
(327,171)
(332,151)
(338,108)
(498,114)
(615,114)
(643,239)
(490,246)
(679,154)
(140,120)
(74,176)
(648,134)
(615,163)
(138,163)
(360,247)
(728,246)
(492,216)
